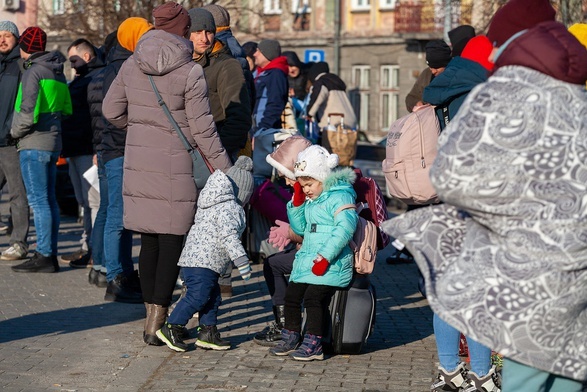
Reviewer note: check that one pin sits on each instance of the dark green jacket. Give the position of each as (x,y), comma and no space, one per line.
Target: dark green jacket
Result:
(229,97)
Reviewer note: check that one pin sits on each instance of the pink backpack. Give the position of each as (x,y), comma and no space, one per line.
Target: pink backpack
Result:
(364,242)
(374,206)
(411,149)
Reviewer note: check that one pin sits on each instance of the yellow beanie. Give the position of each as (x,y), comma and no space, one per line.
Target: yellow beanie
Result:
(579,30)
(131,30)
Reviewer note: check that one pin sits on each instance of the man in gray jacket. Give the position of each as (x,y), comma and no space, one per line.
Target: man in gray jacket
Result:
(10,73)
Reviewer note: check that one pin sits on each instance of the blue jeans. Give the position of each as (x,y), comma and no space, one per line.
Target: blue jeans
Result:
(202,296)
(39,174)
(518,377)
(117,240)
(78,165)
(447,344)
(100,222)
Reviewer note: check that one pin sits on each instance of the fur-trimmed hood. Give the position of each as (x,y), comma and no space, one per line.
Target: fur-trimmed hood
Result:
(340,178)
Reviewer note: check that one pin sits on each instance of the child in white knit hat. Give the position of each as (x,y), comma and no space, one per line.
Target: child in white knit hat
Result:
(325,260)
(213,241)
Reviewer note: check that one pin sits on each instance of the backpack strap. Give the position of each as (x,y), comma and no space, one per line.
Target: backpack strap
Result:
(345,207)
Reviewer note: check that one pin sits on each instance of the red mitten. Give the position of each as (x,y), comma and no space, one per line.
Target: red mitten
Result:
(299,196)
(320,266)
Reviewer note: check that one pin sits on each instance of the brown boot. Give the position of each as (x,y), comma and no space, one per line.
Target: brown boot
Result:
(155,321)
(148,308)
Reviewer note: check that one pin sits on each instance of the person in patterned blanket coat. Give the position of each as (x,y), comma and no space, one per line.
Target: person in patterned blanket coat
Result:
(213,241)
(505,257)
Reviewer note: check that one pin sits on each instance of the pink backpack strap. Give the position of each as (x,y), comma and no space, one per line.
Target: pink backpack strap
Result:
(345,207)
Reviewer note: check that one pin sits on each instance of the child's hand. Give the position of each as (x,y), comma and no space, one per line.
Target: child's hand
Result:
(245,270)
(299,196)
(279,235)
(320,266)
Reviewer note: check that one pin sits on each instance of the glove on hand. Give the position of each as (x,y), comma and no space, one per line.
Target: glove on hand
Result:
(245,270)
(320,266)
(279,235)
(299,196)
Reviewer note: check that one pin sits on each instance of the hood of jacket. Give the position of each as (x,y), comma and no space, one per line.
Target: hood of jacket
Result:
(277,63)
(53,60)
(341,179)
(159,52)
(117,53)
(14,55)
(459,77)
(218,189)
(331,81)
(550,49)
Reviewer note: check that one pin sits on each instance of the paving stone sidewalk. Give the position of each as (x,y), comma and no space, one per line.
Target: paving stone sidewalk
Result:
(58,334)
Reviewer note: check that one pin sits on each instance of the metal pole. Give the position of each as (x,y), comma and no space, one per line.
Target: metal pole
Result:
(447,19)
(337,28)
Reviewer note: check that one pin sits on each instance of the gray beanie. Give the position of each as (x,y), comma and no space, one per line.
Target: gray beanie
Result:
(202,20)
(7,25)
(270,48)
(241,175)
(220,14)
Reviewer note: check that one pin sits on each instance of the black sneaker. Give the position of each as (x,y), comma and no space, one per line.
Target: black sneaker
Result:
(209,338)
(171,336)
(82,262)
(37,263)
(269,336)
(97,278)
(119,290)
(78,254)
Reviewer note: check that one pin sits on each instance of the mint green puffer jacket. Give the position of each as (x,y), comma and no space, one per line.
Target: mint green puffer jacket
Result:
(324,233)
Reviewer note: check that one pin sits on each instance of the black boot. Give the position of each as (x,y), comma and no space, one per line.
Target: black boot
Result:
(38,263)
(271,335)
(209,338)
(119,290)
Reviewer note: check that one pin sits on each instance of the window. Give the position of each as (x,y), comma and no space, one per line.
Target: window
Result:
(360,97)
(389,95)
(271,7)
(58,7)
(361,5)
(387,4)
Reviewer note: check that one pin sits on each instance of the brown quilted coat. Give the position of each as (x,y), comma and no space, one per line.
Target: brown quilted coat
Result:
(158,189)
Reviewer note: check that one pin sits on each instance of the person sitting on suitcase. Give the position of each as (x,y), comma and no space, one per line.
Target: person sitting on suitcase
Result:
(213,240)
(325,260)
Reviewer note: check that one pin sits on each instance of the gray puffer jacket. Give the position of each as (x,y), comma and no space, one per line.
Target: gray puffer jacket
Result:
(158,188)
(214,239)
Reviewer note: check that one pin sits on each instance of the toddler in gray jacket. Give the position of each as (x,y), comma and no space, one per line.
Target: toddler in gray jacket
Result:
(213,241)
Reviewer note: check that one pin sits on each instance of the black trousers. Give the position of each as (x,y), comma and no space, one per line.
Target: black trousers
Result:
(158,268)
(315,299)
(276,270)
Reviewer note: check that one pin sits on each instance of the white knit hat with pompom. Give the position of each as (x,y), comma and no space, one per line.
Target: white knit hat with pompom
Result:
(315,162)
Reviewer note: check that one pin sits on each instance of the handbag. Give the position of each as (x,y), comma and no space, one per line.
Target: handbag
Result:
(270,200)
(340,141)
(201,168)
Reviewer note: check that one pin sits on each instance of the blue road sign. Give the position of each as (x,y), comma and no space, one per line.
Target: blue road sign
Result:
(314,55)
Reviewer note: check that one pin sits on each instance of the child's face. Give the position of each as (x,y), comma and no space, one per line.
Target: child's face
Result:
(311,187)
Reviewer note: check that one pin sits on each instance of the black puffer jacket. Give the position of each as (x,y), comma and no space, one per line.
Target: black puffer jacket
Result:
(113,138)
(10,72)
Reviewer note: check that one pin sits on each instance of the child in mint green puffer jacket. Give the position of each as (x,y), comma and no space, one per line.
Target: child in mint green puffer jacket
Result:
(325,260)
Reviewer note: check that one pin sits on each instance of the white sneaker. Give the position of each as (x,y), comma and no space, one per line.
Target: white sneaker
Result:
(15,252)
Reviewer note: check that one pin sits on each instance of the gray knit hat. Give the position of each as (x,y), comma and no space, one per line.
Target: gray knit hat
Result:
(270,48)
(7,25)
(202,20)
(220,14)
(241,175)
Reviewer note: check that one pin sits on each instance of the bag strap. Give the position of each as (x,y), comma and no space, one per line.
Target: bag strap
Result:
(194,151)
(345,207)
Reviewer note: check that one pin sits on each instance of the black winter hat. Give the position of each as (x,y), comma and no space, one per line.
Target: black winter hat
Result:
(459,36)
(316,69)
(292,59)
(438,54)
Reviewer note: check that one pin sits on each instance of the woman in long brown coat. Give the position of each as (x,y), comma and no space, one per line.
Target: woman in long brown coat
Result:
(158,189)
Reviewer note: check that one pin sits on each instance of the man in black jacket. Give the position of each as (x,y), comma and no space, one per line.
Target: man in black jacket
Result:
(10,74)
(77,138)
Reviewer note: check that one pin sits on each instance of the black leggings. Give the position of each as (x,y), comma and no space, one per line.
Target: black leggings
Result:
(276,270)
(158,268)
(315,298)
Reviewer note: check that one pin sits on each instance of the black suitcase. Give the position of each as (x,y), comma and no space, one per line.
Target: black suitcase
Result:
(351,317)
